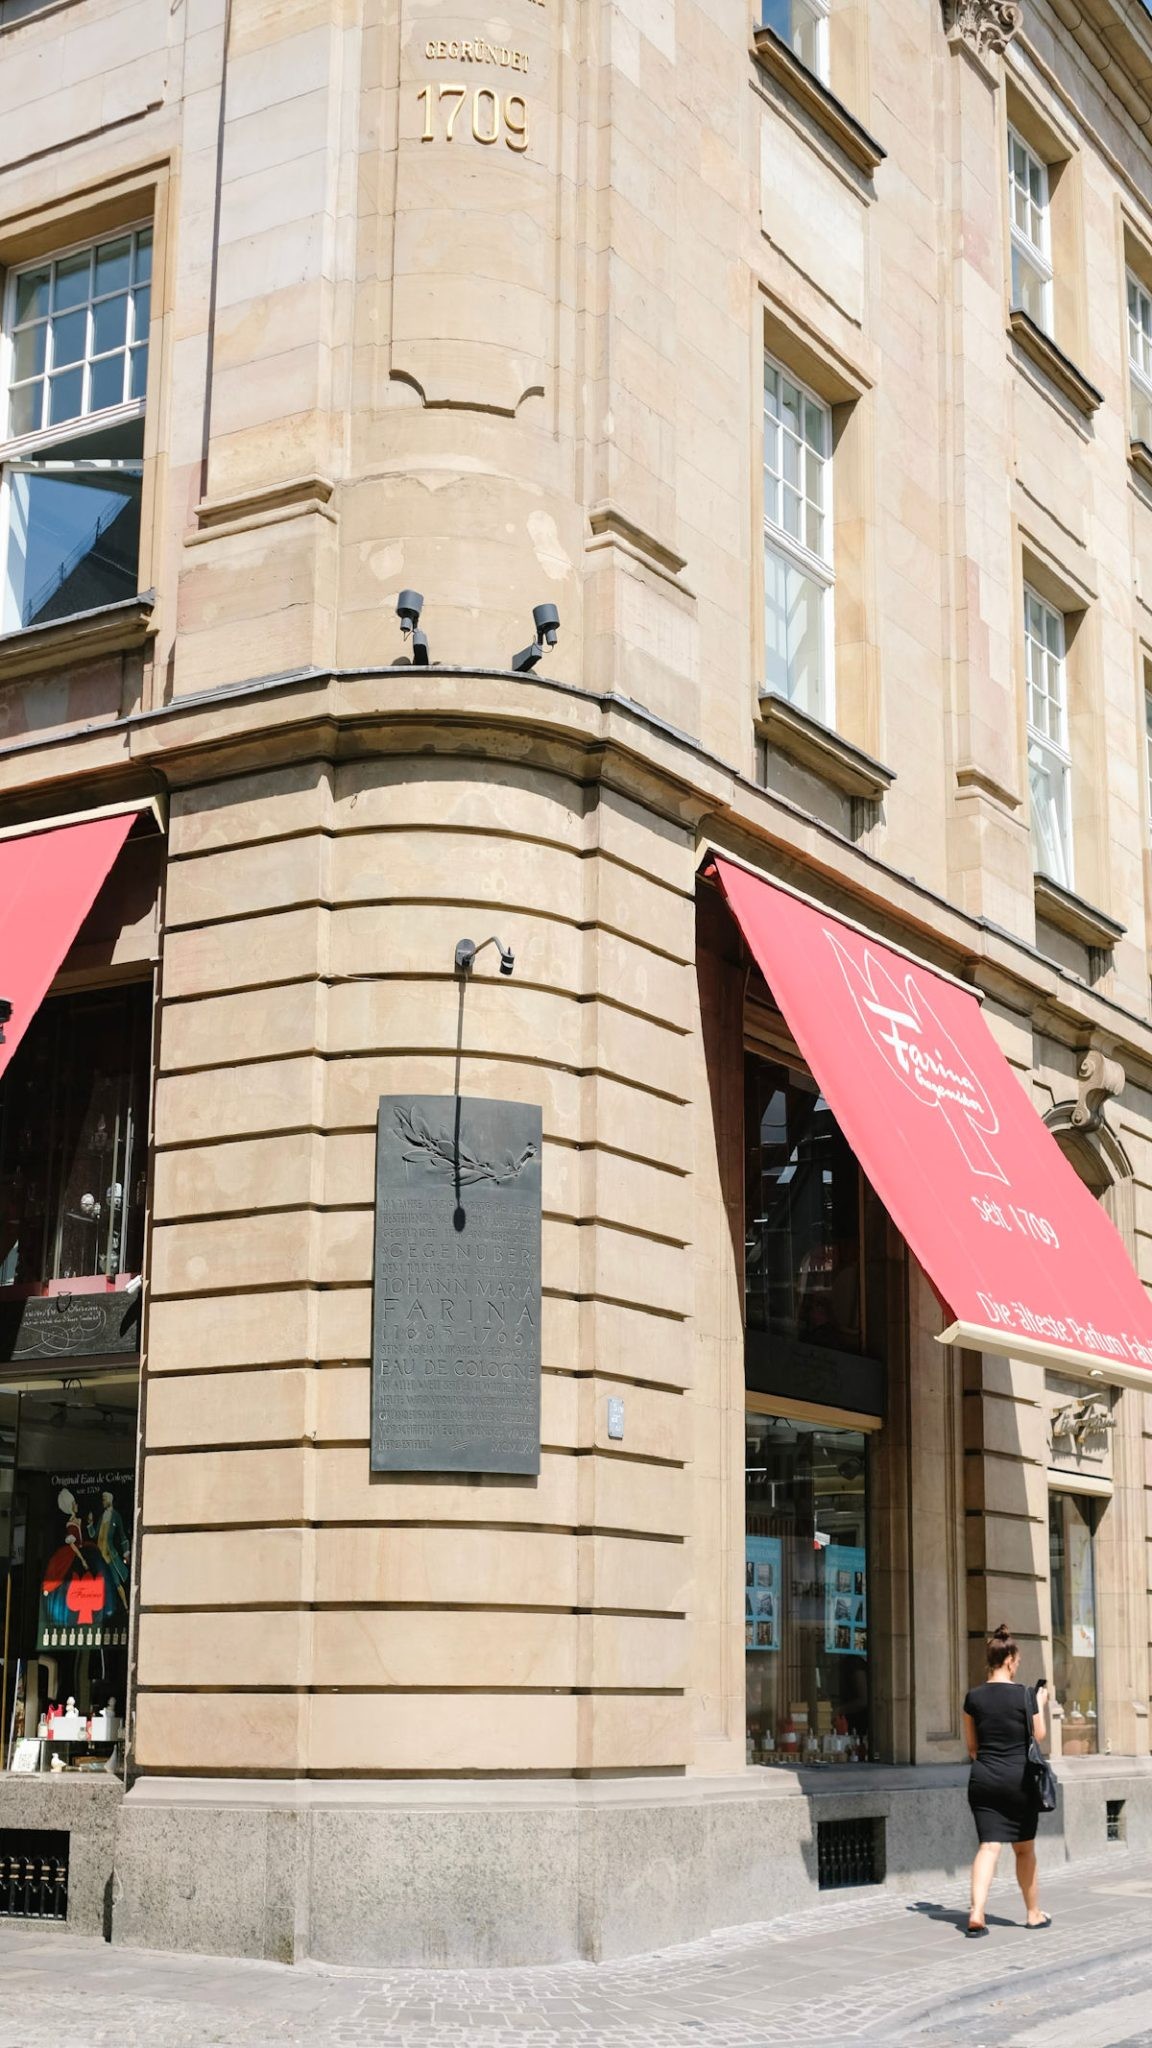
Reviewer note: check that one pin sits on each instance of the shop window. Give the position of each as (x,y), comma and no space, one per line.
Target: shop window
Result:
(73,1144)
(1049,758)
(72,430)
(798,575)
(803,25)
(806,1595)
(803,1247)
(67,1478)
(1071,1547)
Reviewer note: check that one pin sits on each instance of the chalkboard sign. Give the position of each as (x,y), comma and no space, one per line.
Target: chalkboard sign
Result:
(456,1286)
(70,1326)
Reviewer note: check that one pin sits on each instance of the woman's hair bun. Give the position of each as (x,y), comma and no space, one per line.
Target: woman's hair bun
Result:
(1001,1647)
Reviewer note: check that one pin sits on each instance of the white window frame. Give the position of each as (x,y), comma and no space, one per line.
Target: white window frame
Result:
(1148,751)
(17,451)
(1139,346)
(1050,747)
(1038,255)
(819,567)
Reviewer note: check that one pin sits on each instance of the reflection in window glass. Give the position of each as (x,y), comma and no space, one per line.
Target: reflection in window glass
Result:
(802,24)
(1071,1531)
(806,1592)
(74,527)
(802,1260)
(73,1133)
(67,1483)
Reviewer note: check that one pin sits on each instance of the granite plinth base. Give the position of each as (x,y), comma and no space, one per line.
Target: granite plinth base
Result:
(463,1874)
(85,1809)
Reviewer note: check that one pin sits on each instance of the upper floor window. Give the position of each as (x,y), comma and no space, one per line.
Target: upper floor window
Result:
(1140,359)
(803,25)
(1049,760)
(74,371)
(1031,232)
(1148,743)
(15,10)
(798,579)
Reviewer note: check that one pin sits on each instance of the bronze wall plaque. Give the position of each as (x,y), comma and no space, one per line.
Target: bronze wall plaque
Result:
(456,1286)
(70,1326)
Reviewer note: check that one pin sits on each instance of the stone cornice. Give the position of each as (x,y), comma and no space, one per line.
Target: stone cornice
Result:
(1116,37)
(346,714)
(790,731)
(86,636)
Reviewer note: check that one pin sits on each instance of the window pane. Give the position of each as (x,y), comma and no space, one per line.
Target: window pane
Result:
(802,1213)
(32,294)
(805,1592)
(74,543)
(139,371)
(1029,289)
(1141,415)
(1048,786)
(28,351)
(73,274)
(109,324)
(107,387)
(1071,1529)
(142,313)
(113,265)
(65,397)
(142,268)
(793,634)
(25,409)
(69,334)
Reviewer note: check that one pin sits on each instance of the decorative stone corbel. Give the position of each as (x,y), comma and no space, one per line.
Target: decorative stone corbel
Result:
(987,25)
(1099,1080)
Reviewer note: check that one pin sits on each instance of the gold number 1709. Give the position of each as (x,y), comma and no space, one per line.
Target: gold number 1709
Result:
(489,113)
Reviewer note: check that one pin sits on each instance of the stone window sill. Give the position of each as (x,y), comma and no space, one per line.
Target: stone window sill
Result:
(111,629)
(1059,370)
(805,88)
(812,745)
(1140,457)
(1071,914)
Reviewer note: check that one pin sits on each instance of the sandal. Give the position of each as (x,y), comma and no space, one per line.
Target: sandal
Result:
(1034,1926)
(973,1931)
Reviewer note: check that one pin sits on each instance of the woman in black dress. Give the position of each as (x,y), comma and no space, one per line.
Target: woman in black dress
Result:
(1000,1717)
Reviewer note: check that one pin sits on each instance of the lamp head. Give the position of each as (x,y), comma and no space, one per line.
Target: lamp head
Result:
(409,606)
(546,620)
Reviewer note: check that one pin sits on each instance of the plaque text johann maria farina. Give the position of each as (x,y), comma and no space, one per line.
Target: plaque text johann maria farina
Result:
(456,1286)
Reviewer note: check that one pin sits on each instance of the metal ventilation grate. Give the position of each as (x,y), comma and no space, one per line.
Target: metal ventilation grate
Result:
(33,1874)
(849,1852)
(1116,1824)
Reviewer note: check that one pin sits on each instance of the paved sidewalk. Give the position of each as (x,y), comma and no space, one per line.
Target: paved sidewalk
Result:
(865,1967)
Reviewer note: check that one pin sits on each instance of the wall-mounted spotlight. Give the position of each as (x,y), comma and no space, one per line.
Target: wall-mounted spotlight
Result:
(409,606)
(467,949)
(546,620)
(5,1016)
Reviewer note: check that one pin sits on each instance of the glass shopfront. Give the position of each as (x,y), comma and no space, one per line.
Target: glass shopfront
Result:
(67,1481)
(73,1181)
(814,1298)
(1072,1519)
(805,1592)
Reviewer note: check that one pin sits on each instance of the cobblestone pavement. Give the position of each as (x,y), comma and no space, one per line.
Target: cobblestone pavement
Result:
(872,1967)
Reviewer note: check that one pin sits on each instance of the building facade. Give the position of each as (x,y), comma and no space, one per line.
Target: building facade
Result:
(804,365)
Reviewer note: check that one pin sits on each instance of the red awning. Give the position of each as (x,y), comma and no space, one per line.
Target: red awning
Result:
(48,883)
(1023,1258)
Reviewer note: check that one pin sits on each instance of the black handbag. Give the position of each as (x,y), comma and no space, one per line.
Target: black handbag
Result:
(1038,1772)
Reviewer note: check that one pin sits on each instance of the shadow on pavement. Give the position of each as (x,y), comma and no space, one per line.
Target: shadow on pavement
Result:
(956,1916)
